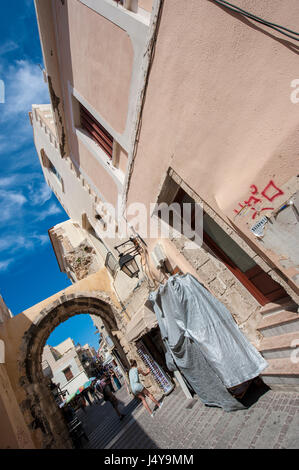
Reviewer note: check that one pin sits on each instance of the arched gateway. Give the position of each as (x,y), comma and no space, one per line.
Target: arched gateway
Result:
(41,413)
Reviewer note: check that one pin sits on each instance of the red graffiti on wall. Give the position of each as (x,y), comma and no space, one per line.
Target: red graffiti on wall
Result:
(270,192)
(271,186)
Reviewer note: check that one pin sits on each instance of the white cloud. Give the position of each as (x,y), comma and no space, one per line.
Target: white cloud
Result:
(21,158)
(24,87)
(23,192)
(8,46)
(7,181)
(15,198)
(6,242)
(39,196)
(52,210)
(4,264)
(14,243)
(10,204)
(42,239)
(12,180)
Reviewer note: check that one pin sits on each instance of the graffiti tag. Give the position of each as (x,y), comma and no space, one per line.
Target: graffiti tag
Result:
(256,200)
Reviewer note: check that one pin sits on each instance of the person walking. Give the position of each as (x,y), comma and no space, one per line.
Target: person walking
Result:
(138,389)
(108,380)
(82,403)
(86,396)
(115,379)
(95,394)
(118,372)
(104,388)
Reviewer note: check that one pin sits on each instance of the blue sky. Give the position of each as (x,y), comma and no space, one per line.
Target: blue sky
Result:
(28,268)
(82,328)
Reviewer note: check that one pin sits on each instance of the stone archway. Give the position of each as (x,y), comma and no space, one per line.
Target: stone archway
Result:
(39,408)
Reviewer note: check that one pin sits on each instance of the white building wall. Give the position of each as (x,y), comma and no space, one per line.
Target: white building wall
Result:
(65,346)
(79,376)
(48,356)
(79,197)
(72,194)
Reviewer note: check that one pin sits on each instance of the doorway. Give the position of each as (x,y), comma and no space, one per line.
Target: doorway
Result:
(261,286)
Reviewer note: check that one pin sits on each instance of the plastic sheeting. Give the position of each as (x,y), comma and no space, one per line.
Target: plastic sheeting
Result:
(203,341)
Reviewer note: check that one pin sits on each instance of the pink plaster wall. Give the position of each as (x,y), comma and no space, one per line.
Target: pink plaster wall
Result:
(98,174)
(145,4)
(97,59)
(123,160)
(218,108)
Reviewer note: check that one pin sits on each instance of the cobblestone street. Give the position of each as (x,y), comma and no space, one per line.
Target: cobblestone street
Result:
(270,423)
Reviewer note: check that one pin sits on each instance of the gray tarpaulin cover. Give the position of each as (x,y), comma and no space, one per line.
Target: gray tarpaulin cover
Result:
(203,341)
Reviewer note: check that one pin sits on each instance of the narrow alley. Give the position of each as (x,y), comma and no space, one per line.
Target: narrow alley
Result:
(272,422)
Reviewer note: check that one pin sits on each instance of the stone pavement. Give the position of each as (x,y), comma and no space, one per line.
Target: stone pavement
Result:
(272,422)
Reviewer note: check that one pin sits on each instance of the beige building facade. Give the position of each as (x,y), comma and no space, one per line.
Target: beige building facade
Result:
(179,122)
(165,102)
(29,408)
(64,360)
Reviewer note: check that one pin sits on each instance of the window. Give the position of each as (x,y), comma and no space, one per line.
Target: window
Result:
(96,131)
(68,374)
(99,137)
(54,171)
(48,164)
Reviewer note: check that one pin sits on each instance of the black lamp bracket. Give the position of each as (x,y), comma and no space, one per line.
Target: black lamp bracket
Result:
(133,248)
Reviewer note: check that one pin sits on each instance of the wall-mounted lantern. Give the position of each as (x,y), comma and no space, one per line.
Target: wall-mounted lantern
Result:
(127,261)
(128,265)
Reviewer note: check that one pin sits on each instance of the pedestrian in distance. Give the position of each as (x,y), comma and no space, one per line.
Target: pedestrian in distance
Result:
(82,403)
(115,379)
(138,389)
(86,396)
(104,388)
(95,394)
(118,372)
(108,381)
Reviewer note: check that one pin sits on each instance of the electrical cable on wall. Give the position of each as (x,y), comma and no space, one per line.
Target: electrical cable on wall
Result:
(152,282)
(269,24)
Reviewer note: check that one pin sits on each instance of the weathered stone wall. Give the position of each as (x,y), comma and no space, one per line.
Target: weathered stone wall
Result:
(14,433)
(219,280)
(82,260)
(225,287)
(29,331)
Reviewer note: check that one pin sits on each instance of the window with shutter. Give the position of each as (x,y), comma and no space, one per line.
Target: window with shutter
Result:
(96,131)
(68,374)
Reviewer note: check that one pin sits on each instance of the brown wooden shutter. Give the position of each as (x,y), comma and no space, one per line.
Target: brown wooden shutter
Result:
(97,132)
(68,374)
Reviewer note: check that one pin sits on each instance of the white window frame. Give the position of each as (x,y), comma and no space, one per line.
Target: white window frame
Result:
(99,154)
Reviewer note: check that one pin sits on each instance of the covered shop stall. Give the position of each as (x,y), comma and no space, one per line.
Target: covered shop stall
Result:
(203,342)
